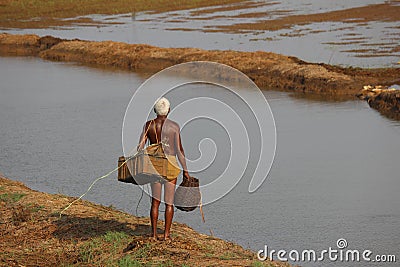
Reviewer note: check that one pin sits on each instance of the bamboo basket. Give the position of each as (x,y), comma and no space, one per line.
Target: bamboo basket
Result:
(188,195)
(142,168)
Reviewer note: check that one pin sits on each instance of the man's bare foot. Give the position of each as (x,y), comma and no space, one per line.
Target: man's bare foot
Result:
(153,238)
(167,239)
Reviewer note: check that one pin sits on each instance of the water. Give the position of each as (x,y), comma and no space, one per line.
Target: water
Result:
(350,43)
(335,174)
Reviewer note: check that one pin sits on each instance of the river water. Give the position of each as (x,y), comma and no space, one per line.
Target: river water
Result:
(335,174)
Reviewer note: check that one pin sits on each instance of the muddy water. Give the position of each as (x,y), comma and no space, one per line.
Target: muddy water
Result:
(335,174)
(347,43)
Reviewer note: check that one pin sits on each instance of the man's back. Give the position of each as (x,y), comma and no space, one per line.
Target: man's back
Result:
(165,131)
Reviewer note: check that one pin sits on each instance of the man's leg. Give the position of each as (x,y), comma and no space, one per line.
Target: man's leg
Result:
(155,204)
(169,193)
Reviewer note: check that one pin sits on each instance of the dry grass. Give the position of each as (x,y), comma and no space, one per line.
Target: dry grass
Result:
(14,13)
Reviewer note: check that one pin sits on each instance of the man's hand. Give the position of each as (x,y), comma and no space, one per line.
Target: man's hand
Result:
(186,175)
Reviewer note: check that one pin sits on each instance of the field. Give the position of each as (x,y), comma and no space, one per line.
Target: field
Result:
(45,13)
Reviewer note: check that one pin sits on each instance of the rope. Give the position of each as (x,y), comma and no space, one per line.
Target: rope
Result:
(90,187)
(201,208)
(137,206)
(202,214)
(108,174)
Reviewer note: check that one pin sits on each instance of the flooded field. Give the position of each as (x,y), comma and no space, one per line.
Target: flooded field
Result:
(314,31)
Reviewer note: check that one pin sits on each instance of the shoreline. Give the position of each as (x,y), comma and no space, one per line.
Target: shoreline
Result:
(385,100)
(268,70)
(89,234)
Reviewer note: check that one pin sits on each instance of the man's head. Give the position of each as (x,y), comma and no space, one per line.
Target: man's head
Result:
(161,106)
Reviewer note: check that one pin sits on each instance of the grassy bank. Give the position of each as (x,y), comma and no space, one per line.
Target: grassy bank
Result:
(32,233)
(44,13)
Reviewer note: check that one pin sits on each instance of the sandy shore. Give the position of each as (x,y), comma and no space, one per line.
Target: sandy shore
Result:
(32,233)
(267,70)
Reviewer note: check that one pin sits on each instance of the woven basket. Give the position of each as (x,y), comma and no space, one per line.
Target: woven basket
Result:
(149,165)
(187,195)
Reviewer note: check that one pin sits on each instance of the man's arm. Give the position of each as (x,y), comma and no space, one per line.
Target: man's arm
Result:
(181,153)
(143,138)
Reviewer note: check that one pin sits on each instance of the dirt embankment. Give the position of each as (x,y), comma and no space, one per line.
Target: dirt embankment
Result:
(32,233)
(267,70)
(386,101)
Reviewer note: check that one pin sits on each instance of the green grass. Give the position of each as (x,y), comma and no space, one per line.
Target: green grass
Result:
(105,250)
(209,255)
(89,251)
(37,208)
(143,252)
(260,264)
(227,256)
(168,263)
(116,237)
(11,197)
(2,187)
(128,261)
(174,235)
(257,264)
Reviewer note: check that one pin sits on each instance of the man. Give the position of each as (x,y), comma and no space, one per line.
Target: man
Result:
(167,132)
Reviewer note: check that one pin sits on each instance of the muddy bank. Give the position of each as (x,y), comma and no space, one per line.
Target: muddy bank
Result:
(267,70)
(32,233)
(386,101)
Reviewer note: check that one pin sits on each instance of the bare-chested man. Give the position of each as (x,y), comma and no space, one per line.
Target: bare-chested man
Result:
(166,131)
